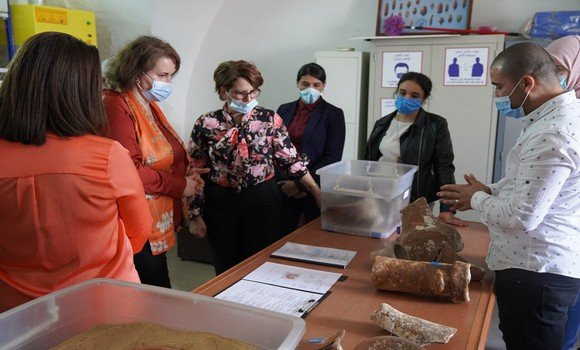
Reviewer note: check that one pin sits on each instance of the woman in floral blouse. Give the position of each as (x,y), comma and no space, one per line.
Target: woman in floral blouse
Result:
(241,143)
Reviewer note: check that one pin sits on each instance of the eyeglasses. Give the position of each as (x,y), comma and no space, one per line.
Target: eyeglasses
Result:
(240,95)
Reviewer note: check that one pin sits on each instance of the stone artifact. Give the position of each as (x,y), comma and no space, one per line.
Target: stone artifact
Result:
(411,328)
(352,211)
(425,238)
(447,255)
(423,278)
(387,342)
(423,234)
(145,335)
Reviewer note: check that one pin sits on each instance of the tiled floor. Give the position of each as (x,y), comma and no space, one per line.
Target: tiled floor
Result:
(494,340)
(187,275)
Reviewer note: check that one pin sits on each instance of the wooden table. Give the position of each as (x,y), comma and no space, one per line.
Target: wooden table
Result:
(352,301)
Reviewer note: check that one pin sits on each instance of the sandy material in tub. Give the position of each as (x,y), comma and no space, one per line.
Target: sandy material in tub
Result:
(146,335)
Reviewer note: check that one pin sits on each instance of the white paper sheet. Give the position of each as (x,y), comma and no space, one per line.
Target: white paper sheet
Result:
(308,280)
(284,300)
(315,254)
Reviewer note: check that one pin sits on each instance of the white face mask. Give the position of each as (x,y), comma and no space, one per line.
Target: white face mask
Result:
(159,91)
(310,95)
(242,107)
(563,79)
(504,104)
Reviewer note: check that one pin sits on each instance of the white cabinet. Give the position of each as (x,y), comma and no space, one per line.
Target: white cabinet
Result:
(347,88)
(468,108)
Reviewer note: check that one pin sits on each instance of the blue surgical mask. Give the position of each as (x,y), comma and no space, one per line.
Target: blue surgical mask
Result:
(159,91)
(504,105)
(407,106)
(241,107)
(310,95)
(563,81)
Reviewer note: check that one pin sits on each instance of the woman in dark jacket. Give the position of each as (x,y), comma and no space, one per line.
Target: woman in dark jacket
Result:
(411,135)
(316,129)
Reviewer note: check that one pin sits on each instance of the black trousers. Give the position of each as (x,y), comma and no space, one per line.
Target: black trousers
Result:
(292,209)
(240,224)
(533,307)
(152,269)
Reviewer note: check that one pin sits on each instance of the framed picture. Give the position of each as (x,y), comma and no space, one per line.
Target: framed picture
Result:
(438,15)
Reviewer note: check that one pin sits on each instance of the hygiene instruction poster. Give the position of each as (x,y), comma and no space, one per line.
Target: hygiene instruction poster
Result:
(387,106)
(395,64)
(466,66)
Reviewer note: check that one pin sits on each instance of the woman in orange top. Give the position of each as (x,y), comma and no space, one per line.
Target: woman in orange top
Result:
(72,207)
(139,76)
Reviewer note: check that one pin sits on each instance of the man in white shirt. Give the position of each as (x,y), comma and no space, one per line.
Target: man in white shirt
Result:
(533,214)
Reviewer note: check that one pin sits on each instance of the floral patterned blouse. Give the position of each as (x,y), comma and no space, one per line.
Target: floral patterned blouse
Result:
(242,155)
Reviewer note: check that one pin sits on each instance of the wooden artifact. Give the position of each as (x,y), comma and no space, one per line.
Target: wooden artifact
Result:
(409,327)
(423,278)
(387,342)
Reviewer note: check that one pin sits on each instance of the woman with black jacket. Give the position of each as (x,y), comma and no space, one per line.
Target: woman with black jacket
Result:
(317,130)
(411,135)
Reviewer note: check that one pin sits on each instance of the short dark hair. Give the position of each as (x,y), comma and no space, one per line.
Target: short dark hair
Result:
(526,59)
(228,72)
(137,57)
(421,79)
(52,84)
(313,69)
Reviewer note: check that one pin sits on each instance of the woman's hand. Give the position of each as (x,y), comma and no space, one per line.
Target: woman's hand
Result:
(448,218)
(197,227)
(194,182)
(289,188)
(312,187)
(316,193)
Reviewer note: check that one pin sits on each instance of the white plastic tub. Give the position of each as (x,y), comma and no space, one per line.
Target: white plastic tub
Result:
(52,319)
(364,197)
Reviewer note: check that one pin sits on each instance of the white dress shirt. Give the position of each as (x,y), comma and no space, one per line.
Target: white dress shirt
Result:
(533,213)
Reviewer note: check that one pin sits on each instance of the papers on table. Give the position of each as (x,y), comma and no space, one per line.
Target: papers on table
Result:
(294,277)
(283,288)
(314,254)
(287,301)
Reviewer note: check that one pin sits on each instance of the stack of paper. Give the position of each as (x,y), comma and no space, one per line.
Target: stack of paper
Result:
(314,254)
(283,288)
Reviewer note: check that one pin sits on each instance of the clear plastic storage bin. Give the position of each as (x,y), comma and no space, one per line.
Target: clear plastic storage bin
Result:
(364,197)
(52,319)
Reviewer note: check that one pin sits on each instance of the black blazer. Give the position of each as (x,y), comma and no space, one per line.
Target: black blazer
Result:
(427,143)
(323,139)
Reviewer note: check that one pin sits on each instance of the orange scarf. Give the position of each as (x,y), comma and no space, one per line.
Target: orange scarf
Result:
(158,155)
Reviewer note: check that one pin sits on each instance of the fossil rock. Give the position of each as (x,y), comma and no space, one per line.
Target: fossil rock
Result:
(387,342)
(423,278)
(411,328)
(423,234)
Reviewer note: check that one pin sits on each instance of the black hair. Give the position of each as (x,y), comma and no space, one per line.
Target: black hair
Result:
(53,84)
(421,79)
(313,69)
(526,59)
